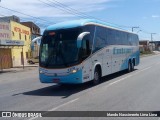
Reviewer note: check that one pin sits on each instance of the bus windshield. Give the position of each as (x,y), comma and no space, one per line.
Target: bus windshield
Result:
(59,48)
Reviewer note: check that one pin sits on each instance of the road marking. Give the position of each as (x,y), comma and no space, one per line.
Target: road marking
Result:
(120,80)
(142,70)
(117,81)
(55,108)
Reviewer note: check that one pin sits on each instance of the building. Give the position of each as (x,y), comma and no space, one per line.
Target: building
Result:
(156,45)
(35,30)
(5,49)
(15,41)
(144,45)
(21,33)
(35,33)
(10,18)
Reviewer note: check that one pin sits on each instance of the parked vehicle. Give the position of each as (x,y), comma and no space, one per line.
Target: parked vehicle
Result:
(33,60)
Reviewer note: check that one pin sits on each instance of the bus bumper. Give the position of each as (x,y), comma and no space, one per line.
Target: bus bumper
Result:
(73,78)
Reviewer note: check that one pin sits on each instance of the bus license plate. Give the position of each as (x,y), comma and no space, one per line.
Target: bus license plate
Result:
(56,80)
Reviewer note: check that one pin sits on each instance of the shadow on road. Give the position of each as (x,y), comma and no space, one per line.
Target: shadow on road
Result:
(67,90)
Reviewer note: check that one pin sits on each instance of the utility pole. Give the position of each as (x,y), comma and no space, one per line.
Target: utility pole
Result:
(22,58)
(133,28)
(152,39)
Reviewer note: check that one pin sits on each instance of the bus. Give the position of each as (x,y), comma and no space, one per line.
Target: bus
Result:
(79,51)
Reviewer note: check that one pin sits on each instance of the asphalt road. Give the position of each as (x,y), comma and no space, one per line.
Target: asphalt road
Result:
(135,91)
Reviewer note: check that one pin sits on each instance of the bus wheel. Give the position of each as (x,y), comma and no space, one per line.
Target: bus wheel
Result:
(97,77)
(132,64)
(129,66)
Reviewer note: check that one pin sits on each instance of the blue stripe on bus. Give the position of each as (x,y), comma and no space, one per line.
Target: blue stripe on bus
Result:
(74,78)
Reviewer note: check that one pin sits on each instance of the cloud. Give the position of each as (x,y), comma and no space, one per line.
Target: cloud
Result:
(144,17)
(55,11)
(39,9)
(155,16)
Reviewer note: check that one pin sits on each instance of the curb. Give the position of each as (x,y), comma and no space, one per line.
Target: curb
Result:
(17,69)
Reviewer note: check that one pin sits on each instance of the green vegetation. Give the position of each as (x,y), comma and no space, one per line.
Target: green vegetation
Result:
(146,53)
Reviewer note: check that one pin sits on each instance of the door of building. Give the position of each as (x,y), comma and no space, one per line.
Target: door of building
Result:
(5,58)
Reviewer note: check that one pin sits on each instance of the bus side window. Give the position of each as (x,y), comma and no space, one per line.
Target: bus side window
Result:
(85,50)
(88,47)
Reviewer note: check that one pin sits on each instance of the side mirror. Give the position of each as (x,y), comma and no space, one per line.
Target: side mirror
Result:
(37,40)
(80,37)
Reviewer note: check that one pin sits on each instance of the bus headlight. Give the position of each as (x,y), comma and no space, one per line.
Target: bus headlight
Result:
(74,71)
(40,71)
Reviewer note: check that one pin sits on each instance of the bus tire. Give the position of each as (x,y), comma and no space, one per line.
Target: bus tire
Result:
(132,66)
(97,76)
(129,69)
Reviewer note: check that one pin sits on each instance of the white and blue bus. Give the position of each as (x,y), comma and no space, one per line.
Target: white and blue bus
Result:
(78,51)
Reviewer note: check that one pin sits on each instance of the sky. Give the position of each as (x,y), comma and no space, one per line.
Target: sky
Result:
(126,14)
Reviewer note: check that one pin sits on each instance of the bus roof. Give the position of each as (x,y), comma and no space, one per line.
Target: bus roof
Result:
(81,22)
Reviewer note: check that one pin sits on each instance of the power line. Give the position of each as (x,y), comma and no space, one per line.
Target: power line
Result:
(24,14)
(69,8)
(146,32)
(72,11)
(61,8)
(5,20)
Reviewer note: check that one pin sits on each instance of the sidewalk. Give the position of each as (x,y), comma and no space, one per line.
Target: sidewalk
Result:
(154,53)
(19,68)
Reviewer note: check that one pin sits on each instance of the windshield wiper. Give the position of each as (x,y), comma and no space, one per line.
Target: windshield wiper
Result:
(58,52)
(49,58)
(62,56)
